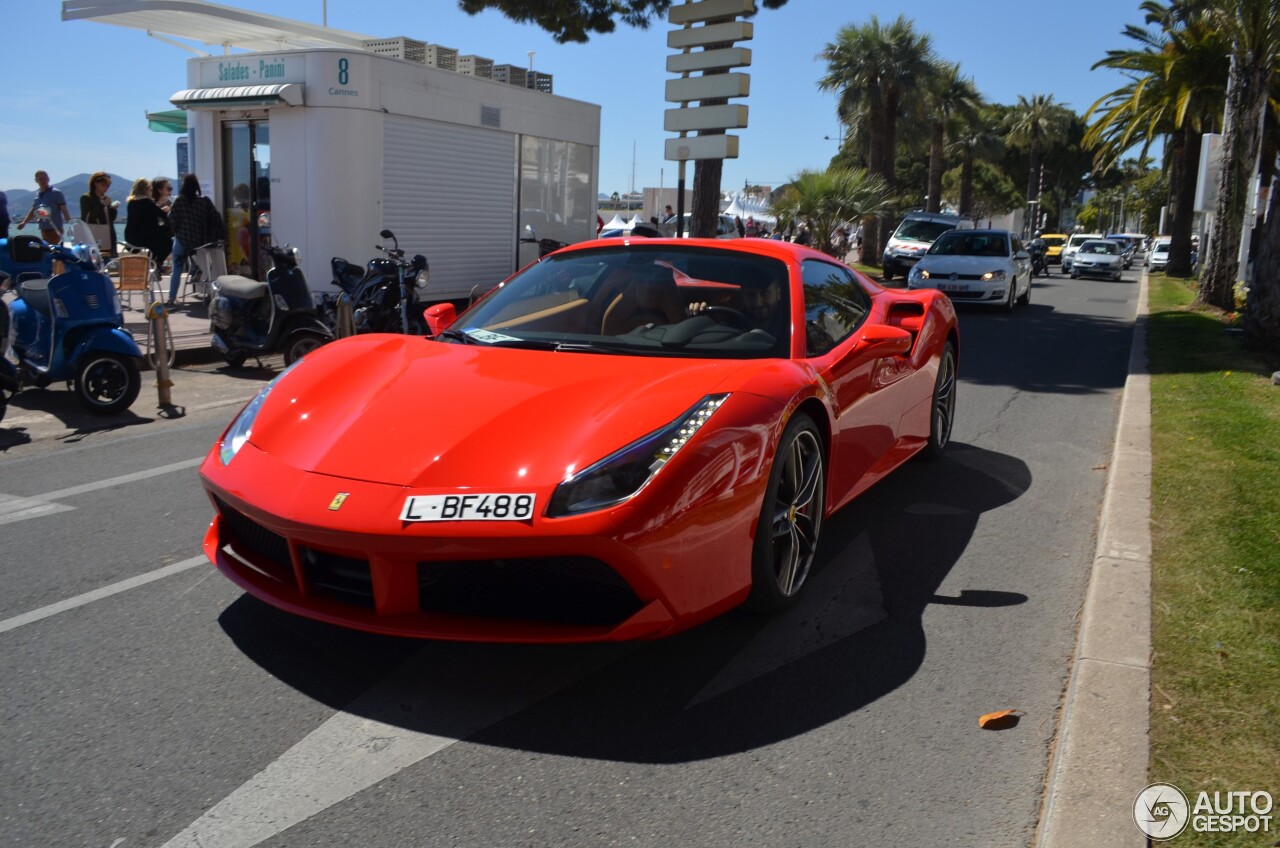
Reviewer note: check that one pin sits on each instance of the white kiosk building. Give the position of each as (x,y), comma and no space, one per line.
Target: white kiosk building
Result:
(338,143)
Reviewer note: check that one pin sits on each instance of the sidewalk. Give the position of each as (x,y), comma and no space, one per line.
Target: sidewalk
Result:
(1101,749)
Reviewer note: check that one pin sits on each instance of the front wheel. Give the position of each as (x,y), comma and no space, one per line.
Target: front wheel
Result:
(1025,299)
(943,410)
(107,383)
(301,343)
(790,519)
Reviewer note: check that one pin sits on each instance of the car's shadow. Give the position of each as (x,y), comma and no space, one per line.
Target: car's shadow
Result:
(736,683)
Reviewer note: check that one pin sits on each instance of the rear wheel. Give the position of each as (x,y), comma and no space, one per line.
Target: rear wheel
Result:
(300,344)
(107,383)
(790,518)
(943,411)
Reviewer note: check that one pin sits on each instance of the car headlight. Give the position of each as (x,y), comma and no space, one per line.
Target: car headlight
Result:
(625,472)
(917,275)
(240,430)
(994,277)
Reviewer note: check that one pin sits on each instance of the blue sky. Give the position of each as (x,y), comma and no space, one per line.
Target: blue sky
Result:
(78,91)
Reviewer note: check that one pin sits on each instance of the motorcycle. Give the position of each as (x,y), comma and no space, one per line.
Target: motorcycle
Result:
(384,297)
(250,317)
(69,327)
(1039,258)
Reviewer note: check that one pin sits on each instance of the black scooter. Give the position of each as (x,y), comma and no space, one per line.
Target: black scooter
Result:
(250,318)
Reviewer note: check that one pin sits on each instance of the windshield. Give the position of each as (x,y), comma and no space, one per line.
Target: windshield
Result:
(640,300)
(1100,247)
(917,230)
(970,243)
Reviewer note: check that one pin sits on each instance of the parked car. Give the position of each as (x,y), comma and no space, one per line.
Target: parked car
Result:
(911,240)
(726,227)
(1073,244)
(1098,258)
(622,440)
(1158,258)
(1054,242)
(976,266)
(1126,249)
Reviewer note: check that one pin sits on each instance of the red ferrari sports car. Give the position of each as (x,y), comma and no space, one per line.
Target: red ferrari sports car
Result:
(623,439)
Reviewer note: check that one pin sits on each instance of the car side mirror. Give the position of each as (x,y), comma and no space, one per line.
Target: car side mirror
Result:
(1022,254)
(440,317)
(883,340)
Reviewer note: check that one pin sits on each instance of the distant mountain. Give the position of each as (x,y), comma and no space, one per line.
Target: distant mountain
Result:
(20,199)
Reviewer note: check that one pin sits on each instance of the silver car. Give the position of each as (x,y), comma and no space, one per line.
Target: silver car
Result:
(1098,258)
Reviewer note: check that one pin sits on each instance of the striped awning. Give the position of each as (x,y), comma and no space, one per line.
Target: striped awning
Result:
(288,94)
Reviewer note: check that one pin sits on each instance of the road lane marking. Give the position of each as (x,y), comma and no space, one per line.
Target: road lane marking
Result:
(123,478)
(98,594)
(14,508)
(438,689)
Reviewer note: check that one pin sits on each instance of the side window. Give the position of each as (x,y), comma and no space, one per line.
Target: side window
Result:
(834,305)
(1017,246)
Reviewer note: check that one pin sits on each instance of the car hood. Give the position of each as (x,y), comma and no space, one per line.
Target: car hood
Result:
(936,264)
(412,412)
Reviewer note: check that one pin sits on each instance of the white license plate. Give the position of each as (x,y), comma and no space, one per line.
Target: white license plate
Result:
(952,287)
(468,507)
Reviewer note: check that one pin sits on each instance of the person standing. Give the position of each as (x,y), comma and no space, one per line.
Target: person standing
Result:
(147,226)
(100,212)
(50,197)
(4,215)
(195,223)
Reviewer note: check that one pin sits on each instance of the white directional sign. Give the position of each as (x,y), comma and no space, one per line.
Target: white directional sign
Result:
(708,87)
(729,116)
(711,80)
(702,147)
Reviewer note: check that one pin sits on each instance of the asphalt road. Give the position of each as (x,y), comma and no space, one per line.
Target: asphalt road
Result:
(147,702)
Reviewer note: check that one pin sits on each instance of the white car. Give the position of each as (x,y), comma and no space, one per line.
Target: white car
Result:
(976,266)
(1098,258)
(1073,244)
(1159,256)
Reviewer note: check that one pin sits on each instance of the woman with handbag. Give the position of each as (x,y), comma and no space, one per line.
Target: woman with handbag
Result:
(195,222)
(100,212)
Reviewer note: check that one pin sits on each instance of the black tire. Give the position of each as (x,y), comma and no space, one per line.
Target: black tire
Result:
(301,343)
(107,383)
(236,358)
(1025,299)
(1013,288)
(942,412)
(790,518)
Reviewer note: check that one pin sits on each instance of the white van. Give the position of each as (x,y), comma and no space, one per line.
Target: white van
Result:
(911,240)
(1073,244)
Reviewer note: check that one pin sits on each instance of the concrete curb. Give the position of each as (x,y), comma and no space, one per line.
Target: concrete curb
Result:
(1099,763)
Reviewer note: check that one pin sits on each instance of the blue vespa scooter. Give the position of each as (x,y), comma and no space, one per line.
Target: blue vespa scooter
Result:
(69,327)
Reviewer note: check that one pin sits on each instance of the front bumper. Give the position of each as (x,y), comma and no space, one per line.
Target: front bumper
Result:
(641,570)
(1095,270)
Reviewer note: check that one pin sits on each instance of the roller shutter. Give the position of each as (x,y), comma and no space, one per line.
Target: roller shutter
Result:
(449,193)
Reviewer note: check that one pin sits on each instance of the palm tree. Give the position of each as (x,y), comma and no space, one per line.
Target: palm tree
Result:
(873,67)
(949,99)
(973,141)
(1177,89)
(826,199)
(1034,122)
(1253,29)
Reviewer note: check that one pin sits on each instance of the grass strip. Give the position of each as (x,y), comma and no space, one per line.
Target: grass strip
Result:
(1215,521)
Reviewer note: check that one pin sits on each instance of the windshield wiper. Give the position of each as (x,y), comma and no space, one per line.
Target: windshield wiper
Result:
(457,336)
